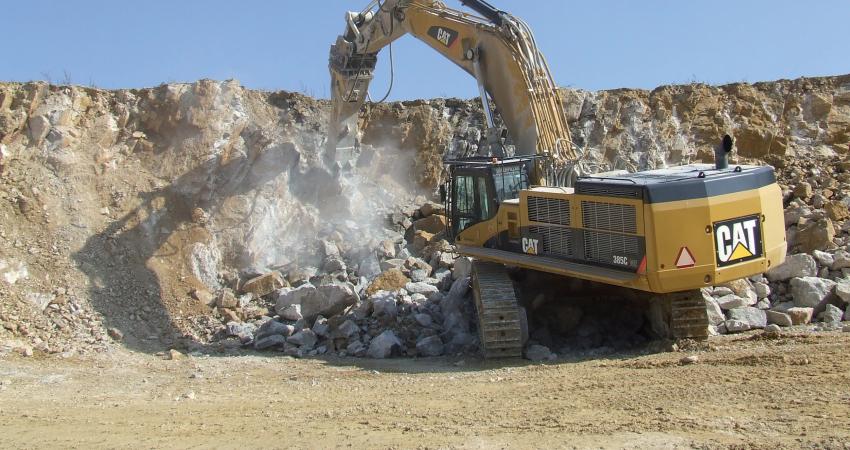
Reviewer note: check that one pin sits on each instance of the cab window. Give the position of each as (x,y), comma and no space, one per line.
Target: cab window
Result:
(472,201)
(509,180)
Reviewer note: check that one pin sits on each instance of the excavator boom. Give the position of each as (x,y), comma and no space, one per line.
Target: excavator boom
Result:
(496,48)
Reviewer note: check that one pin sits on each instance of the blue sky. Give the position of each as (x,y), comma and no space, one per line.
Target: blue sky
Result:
(274,45)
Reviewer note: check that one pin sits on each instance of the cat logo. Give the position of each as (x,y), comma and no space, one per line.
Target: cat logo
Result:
(738,240)
(444,36)
(529,245)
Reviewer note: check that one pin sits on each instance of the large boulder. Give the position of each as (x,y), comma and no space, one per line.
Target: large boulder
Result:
(369,267)
(433,224)
(394,263)
(824,259)
(537,352)
(421,239)
(384,305)
(743,288)
(462,268)
(840,260)
(809,292)
(273,327)
(291,312)
(420,288)
(751,317)
(274,340)
(430,346)
(842,290)
(331,299)
(715,313)
(264,284)
(391,280)
(831,314)
(306,339)
(732,301)
(800,316)
(384,345)
(779,318)
(801,265)
(286,297)
(837,211)
(816,235)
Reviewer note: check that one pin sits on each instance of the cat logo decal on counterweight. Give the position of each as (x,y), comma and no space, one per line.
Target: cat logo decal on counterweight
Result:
(445,36)
(737,240)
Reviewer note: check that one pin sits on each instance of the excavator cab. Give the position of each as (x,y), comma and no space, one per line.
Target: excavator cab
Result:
(476,186)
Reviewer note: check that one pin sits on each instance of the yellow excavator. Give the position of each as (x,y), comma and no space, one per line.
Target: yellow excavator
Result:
(524,200)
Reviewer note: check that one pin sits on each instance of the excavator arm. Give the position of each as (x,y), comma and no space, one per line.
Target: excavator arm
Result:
(496,48)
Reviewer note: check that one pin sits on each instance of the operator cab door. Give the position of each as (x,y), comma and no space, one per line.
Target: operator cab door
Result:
(473,199)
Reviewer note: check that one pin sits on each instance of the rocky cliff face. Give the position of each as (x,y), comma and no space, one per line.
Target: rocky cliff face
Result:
(639,129)
(116,205)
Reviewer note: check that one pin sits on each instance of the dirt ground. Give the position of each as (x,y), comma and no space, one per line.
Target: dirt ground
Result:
(744,392)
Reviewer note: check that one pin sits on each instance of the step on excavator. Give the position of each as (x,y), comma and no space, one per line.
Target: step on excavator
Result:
(525,200)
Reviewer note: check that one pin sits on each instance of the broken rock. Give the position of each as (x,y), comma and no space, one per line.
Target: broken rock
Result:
(391,280)
(306,339)
(462,268)
(347,329)
(832,314)
(795,266)
(384,345)
(715,313)
(264,284)
(287,297)
(430,346)
(751,317)
(840,260)
(226,299)
(273,327)
(779,318)
(291,312)
(420,288)
(330,300)
(384,305)
(810,291)
(537,353)
(433,224)
(744,289)
(816,236)
(274,340)
(800,316)
(731,301)
(842,290)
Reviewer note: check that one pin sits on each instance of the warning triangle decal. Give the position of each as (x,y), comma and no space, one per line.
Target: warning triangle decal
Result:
(685,258)
(740,252)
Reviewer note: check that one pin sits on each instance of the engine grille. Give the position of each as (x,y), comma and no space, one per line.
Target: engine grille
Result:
(548,210)
(556,240)
(602,247)
(608,190)
(609,216)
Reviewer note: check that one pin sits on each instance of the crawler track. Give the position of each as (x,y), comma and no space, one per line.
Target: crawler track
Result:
(500,317)
(688,316)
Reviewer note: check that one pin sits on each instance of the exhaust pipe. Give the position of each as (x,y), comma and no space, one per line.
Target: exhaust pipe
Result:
(721,153)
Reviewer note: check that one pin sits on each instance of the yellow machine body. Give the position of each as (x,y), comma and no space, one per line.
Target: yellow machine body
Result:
(657,231)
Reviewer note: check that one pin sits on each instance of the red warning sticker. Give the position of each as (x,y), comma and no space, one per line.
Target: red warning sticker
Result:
(685,258)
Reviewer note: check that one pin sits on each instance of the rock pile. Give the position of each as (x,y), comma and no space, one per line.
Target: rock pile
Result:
(407,296)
